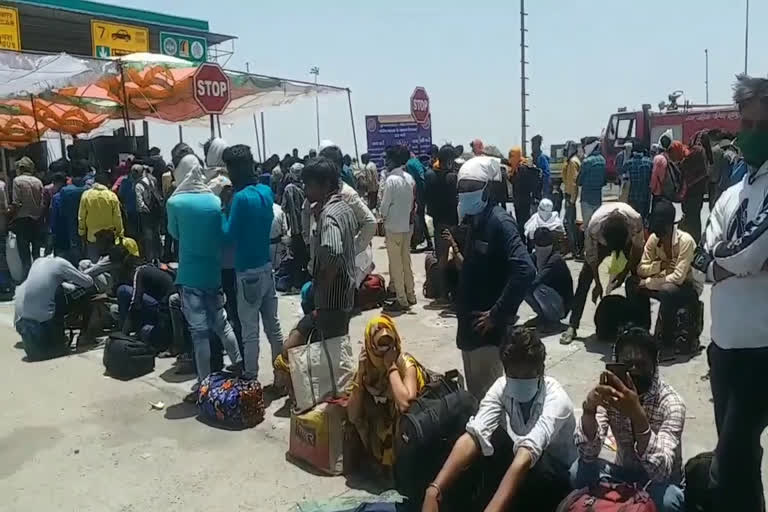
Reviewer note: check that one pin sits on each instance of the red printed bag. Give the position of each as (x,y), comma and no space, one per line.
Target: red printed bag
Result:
(608,497)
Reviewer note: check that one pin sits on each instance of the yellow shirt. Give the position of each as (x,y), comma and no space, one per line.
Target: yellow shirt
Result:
(99,210)
(658,268)
(571,177)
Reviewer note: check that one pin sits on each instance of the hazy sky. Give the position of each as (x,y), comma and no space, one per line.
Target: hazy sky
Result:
(586,59)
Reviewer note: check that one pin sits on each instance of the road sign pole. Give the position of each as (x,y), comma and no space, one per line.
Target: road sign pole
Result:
(213,129)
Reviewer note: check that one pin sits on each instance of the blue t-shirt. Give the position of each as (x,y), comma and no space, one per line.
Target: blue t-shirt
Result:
(249,226)
(592,179)
(195,221)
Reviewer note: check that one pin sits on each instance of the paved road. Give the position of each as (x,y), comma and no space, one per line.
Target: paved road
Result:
(80,441)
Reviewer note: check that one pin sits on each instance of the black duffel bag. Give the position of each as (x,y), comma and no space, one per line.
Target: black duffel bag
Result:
(127,358)
(426,435)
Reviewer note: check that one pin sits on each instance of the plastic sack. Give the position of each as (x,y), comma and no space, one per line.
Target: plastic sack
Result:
(320,370)
(14,260)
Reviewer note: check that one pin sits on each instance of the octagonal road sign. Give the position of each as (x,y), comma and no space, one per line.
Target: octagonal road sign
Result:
(420,105)
(212,88)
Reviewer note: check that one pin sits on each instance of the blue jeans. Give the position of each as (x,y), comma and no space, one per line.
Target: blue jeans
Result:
(204,310)
(587,210)
(257,298)
(546,303)
(144,314)
(667,497)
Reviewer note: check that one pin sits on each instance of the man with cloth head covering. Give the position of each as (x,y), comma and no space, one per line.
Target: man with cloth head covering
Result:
(552,290)
(27,201)
(216,171)
(494,278)
(195,220)
(545,217)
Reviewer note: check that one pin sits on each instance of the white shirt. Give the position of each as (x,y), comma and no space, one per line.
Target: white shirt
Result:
(550,426)
(737,237)
(397,201)
(279,232)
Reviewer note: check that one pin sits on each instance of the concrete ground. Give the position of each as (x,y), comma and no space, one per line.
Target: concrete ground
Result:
(75,440)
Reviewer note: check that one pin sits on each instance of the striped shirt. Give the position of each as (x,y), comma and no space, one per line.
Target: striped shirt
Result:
(333,248)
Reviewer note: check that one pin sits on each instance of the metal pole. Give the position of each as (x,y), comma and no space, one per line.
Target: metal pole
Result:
(352,119)
(213,127)
(34,116)
(746,40)
(706,74)
(263,137)
(181,134)
(316,71)
(218,124)
(258,144)
(523,78)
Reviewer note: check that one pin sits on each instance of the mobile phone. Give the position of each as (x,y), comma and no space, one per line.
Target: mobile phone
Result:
(619,370)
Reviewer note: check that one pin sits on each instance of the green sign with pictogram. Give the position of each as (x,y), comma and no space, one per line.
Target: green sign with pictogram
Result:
(191,48)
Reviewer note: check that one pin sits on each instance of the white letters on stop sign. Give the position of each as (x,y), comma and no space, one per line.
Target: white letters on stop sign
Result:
(211,88)
(420,105)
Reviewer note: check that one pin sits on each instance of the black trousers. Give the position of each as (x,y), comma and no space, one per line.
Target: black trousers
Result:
(671,297)
(229,285)
(691,222)
(29,238)
(582,288)
(522,213)
(741,416)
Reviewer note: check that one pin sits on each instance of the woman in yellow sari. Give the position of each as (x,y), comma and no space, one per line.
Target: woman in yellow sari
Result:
(387,381)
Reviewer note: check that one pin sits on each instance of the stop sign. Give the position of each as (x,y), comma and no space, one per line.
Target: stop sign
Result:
(420,105)
(212,88)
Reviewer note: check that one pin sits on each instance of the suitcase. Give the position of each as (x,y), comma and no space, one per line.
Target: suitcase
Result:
(127,358)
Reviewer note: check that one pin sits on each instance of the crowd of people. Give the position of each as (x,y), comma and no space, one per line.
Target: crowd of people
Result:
(209,241)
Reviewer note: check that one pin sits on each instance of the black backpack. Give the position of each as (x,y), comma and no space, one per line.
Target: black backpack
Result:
(612,313)
(427,433)
(698,495)
(127,358)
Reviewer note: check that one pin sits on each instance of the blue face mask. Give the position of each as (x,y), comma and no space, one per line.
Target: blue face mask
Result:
(522,390)
(471,203)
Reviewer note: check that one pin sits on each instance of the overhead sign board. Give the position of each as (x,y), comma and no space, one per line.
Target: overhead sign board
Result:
(10,38)
(212,88)
(185,47)
(115,39)
(389,130)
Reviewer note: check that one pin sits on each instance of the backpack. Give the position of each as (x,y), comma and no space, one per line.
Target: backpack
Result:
(372,292)
(672,186)
(698,495)
(127,358)
(231,401)
(612,313)
(432,282)
(608,497)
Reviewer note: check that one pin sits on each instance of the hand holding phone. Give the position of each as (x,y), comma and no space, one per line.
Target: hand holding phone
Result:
(619,370)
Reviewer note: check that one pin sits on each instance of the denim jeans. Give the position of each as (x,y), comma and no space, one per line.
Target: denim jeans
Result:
(146,312)
(257,298)
(204,311)
(546,303)
(668,497)
(587,210)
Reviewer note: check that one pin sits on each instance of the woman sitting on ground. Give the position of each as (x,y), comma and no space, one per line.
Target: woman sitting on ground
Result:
(387,381)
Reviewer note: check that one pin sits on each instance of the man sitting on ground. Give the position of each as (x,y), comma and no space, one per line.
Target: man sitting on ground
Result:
(646,417)
(40,306)
(614,228)
(665,272)
(523,429)
(552,290)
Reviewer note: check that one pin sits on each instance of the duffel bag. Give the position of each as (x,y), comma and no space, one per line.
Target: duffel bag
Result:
(426,435)
(698,493)
(608,497)
(372,292)
(231,401)
(127,358)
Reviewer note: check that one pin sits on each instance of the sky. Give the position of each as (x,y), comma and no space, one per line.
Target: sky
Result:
(586,60)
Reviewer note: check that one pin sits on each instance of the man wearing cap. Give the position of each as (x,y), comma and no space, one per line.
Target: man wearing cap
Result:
(495,275)
(27,202)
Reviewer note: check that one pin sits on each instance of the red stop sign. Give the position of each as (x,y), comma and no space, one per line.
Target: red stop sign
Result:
(420,105)
(212,88)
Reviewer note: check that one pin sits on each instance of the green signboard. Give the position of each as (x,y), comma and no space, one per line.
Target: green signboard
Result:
(185,47)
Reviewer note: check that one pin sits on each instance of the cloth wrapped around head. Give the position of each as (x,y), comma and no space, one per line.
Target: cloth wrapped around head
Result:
(25,165)
(381,336)
(677,151)
(189,177)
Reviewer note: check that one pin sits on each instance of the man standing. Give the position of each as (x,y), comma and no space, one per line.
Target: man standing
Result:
(99,210)
(617,229)
(195,220)
(397,206)
(734,254)
(591,180)
(415,168)
(541,161)
(371,174)
(332,247)
(494,278)
(571,180)
(149,208)
(526,185)
(27,208)
(248,229)
(441,202)
(638,169)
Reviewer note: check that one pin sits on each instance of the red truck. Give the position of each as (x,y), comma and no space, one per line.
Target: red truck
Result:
(684,121)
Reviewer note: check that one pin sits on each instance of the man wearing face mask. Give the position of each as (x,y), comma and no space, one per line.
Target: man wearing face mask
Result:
(646,416)
(551,293)
(734,253)
(520,441)
(494,278)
